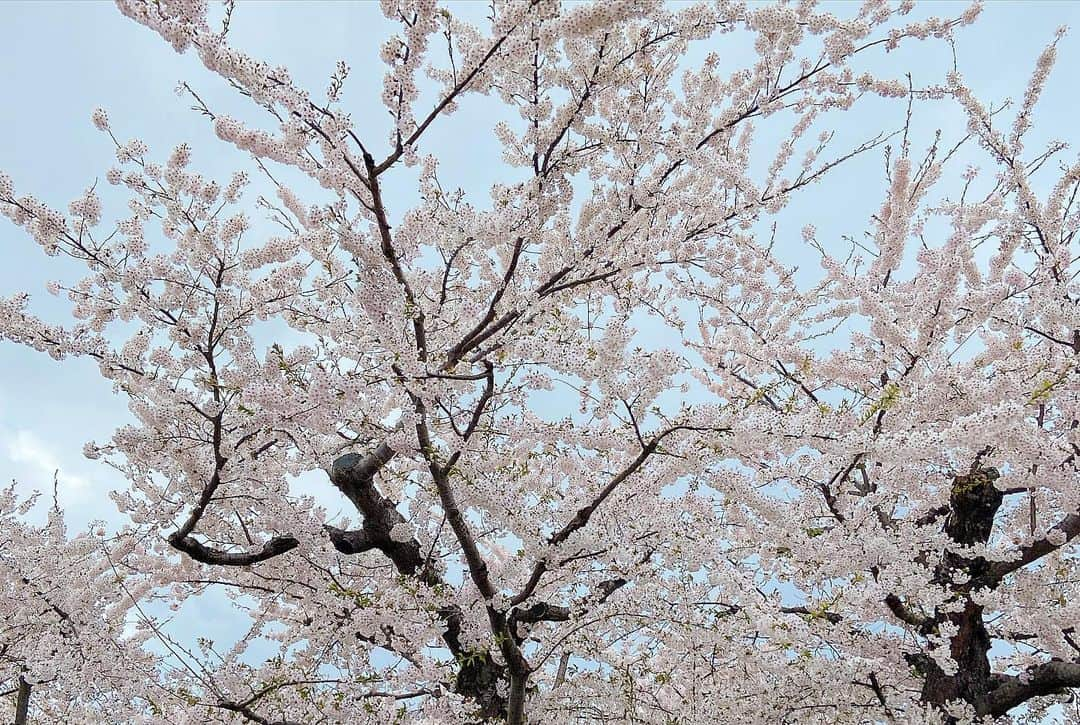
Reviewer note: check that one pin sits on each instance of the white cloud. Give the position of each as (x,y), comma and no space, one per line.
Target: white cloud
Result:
(36,459)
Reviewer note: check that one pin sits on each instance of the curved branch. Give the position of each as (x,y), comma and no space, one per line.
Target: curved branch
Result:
(354,476)
(1069,528)
(181,539)
(906,615)
(1044,679)
(202,553)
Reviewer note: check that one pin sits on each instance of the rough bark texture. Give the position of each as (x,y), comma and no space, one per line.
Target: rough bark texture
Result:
(973,503)
(22,702)
(478,674)
(478,678)
(973,680)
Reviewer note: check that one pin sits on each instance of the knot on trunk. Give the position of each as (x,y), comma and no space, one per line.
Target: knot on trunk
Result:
(973,503)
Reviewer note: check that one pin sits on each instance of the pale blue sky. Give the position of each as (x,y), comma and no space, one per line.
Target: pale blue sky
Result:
(62,59)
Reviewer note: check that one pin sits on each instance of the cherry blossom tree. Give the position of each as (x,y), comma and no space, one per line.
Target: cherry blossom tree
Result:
(610,455)
(930,504)
(66,602)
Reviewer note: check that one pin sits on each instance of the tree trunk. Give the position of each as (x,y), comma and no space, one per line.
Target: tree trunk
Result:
(479,678)
(973,504)
(973,680)
(515,706)
(22,703)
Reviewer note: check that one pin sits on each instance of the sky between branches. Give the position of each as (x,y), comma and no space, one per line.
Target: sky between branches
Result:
(63,59)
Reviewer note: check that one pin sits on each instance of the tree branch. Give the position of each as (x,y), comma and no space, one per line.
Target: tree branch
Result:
(1044,679)
(905,615)
(354,476)
(581,518)
(1069,528)
(202,553)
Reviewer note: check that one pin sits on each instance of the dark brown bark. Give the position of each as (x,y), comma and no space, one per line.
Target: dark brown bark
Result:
(973,679)
(1068,528)
(22,702)
(204,554)
(973,504)
(515,706)
(1047,679)
(354,475)
(478,674)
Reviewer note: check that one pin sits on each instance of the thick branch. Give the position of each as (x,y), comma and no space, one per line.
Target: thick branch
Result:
(1045,679)
(901,611)
(973,503)
(1065,531)
(610,586)
(202,553)
(354,475)
(354,472)
(479,675)
(540,612)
